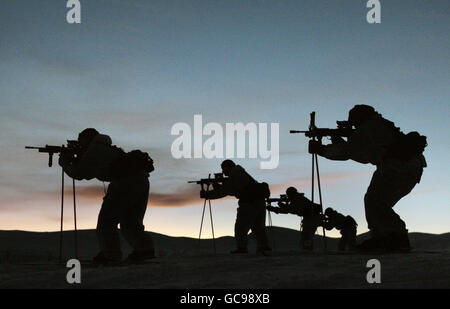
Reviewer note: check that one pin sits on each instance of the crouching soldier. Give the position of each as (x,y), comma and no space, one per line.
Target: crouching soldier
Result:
(251,213)
(125,201)
(399,162)
(345,224)
(301,206)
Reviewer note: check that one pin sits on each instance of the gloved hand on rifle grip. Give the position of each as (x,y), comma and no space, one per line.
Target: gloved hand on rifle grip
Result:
(315,147)
(273,209)
(282,204)
(203,194)
(64,159)
(337,140)
(216,186)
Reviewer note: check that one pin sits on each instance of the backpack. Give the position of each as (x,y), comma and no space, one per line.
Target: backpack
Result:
(310,208)
(407,146)
(255,190)
(260,190)
(131,163)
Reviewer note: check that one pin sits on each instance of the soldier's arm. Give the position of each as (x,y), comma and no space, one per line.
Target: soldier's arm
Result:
(286,209)
(81,168)
(338,152)
(328,225)
(218,192)
(297,206)
(352,149)
(367,143)
(72,171)
(233,185)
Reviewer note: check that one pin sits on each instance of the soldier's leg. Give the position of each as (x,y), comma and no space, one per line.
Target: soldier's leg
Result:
(108,219)
(258,226)
(343,241)
(351,237)
(242,225)
(132,215)
(307,234)
(387,187)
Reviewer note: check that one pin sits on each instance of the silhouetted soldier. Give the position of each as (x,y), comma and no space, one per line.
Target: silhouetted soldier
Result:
(251,213)
(310,212)
(125,202)
(399,161)
(345,224)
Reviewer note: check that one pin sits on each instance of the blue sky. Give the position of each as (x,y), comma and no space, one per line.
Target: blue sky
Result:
(133,69)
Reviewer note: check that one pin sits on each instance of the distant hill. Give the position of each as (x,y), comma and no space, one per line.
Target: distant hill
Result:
(32,246)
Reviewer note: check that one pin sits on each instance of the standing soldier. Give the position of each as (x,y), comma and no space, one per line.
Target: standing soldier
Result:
(126,200)
(399,161)
(345,224)
(251,213)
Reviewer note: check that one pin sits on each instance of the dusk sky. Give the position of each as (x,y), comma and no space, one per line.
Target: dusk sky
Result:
(132,69)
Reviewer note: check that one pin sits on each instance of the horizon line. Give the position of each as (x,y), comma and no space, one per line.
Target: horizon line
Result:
(179,236)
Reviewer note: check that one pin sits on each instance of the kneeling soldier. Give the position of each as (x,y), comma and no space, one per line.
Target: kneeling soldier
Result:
(345,224)
(299,205)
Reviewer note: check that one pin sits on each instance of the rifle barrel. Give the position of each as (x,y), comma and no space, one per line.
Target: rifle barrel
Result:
(206,181)
(296,131)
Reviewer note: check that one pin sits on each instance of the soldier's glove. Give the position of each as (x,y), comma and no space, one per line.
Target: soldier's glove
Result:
(273,209)
(315,147)
(216,186)
(203,194)
(64,159)
(337,140)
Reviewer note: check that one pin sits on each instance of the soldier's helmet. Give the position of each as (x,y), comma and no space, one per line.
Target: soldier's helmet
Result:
(86,136)
(291,191)
(227,166)
(360,113)
(329,211)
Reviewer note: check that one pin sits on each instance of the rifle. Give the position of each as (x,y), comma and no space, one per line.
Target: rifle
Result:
(283,198)
(72,148)
(344,129)
(282,203)
(217,180)
(316,134)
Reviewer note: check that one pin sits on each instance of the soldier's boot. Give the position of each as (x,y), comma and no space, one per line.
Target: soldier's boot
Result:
(398,242)
(307,245)
(374,244)
(101,260)
(264,250)
(239,251)
(140,256)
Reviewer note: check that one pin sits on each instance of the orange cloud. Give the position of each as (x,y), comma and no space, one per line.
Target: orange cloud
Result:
(325,179)
(175,199)
(179,197)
